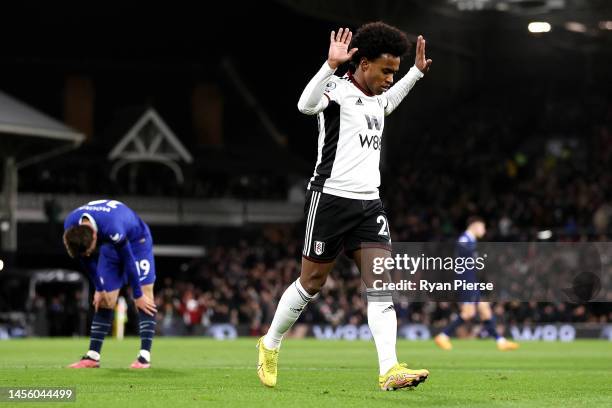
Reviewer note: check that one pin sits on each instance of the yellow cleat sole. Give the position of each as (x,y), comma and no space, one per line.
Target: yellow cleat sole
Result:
(408,384)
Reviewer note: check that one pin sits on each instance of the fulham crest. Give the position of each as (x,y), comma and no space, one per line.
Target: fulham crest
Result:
(319,247)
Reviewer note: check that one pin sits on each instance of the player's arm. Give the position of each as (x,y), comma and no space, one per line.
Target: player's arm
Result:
(127,257)
(314,99)
(90,265)
(398,92)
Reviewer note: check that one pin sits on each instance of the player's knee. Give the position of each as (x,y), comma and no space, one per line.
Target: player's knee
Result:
(485,315)
(313,283)
(108,301)
(108,305)
(468,314)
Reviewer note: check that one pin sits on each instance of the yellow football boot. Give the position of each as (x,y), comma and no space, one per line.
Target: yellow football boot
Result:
(400,376)
(267,364)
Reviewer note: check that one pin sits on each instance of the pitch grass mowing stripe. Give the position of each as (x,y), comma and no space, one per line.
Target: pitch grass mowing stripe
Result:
(204,372)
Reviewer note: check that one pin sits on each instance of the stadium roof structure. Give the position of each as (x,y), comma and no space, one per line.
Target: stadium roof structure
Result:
(150,140)
(27,136)
(17,118)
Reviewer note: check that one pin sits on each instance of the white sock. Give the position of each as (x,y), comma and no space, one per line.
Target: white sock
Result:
(94,355)
(383,325)
(501,340)
(146,355)
(289,308)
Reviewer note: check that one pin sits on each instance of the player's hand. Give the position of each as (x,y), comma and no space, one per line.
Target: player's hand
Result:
(98,297)
(338,47)
(146,305)
(420,61)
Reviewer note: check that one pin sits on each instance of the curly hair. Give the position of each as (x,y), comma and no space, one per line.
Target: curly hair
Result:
(375,39)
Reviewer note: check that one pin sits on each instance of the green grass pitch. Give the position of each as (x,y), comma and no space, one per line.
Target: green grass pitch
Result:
(204,372)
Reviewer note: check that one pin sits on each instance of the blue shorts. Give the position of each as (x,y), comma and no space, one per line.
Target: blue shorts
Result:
(469,296)
(112,273)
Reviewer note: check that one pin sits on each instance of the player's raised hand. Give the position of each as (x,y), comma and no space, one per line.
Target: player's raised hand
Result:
(146,305)
(338,47)
(420,61)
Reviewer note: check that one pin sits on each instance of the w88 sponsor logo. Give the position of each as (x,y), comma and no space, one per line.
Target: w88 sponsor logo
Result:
(371,142)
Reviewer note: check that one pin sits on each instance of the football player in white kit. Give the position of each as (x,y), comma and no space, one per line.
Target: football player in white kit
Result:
(343,208)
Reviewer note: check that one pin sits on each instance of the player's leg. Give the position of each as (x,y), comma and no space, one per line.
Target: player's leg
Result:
(325,216)
(488,321)
(467,311)
(100,326)
(109,270)
(469,299)
(322,243)
(102,322)
(382,321)
(146,330)
(295,298)
(381,312)
(368,240)
(289,308)
(486,317)
(143,253)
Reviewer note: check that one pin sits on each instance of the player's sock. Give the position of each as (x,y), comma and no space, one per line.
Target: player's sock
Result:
(100,325)
(289,308)
(490,327)
(383,325)
(147,325)
(450,329)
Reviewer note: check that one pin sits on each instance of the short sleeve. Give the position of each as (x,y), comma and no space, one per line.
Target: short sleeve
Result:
(116,233)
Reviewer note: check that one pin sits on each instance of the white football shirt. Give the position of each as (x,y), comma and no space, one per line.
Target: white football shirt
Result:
(350,123)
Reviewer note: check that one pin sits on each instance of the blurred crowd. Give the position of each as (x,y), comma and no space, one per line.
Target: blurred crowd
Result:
(528,168)
(241,286)
(523,167)
(539,166)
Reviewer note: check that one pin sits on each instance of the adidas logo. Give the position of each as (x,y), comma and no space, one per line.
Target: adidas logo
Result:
(359,102)
(294,310)
(388,309)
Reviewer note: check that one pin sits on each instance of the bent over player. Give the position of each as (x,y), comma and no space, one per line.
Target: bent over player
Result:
(343,209)
(125,256)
